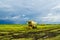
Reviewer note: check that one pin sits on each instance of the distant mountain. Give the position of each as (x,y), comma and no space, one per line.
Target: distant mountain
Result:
(6,22)
(12,22)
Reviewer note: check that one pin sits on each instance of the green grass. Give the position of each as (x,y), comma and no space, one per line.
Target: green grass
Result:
(16,28)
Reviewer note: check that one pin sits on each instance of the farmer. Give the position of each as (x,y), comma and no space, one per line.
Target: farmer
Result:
(32,24)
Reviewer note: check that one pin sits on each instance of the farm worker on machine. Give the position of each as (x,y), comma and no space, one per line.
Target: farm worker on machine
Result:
(32,24)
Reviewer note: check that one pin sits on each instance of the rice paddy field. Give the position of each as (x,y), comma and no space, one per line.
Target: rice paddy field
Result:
(22,32)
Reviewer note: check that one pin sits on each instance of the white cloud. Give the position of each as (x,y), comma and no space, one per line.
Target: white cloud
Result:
(26,18)
(51,18)
(57,6)
(6,7)
(53,15)
(11,18)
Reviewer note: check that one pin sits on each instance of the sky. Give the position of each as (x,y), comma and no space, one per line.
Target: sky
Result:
(20,11)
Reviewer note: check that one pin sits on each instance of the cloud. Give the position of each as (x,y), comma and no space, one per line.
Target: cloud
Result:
(6,7)
(53,15)
(56,9)
(10,17)
(23,10)
(57,6)
(51,18)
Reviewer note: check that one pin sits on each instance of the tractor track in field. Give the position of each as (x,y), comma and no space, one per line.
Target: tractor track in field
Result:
(49,33)
(37,35)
